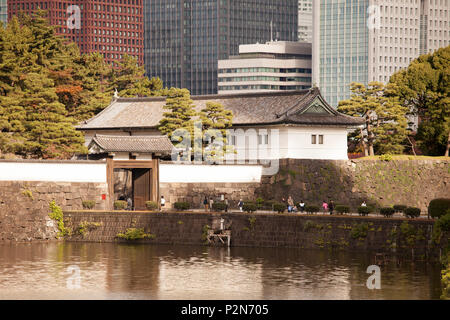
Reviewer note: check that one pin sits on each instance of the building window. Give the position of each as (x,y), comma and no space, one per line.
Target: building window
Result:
(263,139)
(232,140)
(320,139)
(313,139)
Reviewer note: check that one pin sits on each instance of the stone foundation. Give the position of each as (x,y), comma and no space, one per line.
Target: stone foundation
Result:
(380,183)
(195,193)
(382,235)
(24,206)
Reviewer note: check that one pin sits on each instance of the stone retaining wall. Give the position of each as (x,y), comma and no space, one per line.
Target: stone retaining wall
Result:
(380,183)
(266,230)
(24,206)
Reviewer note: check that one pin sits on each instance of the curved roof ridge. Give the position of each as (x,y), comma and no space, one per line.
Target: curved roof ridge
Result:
(218,96)
(297,103)
(108,136)
(255,109)
(151,144)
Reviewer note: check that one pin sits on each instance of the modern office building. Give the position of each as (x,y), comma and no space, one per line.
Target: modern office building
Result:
(369,40)
(4,11)
(305,20)
(113,27)
(184,39)
(274,66)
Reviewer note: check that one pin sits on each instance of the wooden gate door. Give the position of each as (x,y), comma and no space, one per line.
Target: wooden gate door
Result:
(141,188)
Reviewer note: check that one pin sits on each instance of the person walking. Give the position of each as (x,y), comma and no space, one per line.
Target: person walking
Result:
(241,205)
(211,202)
(302,206)
(290,204)
(205,203)
(163,203)
(331,207)
(226,204)
(129,204)
(325,206)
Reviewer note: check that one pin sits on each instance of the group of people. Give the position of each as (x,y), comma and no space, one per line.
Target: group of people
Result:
(328,207)
(292,207)
(208,204)
(290,204)
(300,207)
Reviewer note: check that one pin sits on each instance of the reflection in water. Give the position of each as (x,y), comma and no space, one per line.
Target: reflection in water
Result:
(121,271)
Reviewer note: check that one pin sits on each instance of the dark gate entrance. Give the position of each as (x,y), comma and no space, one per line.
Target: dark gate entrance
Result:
(141,188)
(145,180)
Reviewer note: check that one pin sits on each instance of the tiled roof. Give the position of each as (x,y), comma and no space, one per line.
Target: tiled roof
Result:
(248,109)
(145,144)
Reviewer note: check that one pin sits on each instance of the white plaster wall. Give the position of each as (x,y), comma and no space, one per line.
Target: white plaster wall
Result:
(178,173)
(295,143)
(300,146)
(121,155)
(53,172)
(144,156)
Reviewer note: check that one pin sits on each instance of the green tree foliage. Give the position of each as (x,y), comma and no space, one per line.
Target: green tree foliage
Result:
(180,112)
(424,88)
(215,122)
(129,80)
(385,128)
(34,124)
(82,86)
(47,87)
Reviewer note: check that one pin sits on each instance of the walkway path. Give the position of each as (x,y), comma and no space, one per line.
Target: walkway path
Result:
(396,215)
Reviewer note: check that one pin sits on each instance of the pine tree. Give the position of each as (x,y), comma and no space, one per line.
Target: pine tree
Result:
(424,88)
(180,112)
(129,80)
(385,127)
(215,118)
(92,74)
(49,133)
(33,122)
(47,86)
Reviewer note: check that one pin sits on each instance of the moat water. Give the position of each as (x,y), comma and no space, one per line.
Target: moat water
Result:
(121,271)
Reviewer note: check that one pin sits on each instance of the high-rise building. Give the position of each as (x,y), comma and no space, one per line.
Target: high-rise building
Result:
(4,11)
(369,40)
(113,27)
(274,66)
(305,17)
(184,39)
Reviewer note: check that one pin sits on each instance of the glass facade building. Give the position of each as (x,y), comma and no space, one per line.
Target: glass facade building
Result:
(344,47)
(369,40)
(184,39)
(305,16)
(113,27)
(4,11)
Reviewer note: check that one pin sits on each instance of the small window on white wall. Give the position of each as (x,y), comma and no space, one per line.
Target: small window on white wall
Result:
(321,139)
(232,140)
(313,139)
(263,139)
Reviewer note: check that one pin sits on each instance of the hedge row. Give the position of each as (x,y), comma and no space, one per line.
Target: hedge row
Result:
(438,207)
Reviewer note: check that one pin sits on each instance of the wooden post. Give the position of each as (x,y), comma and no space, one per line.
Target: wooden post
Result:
(110,183)
(155,182)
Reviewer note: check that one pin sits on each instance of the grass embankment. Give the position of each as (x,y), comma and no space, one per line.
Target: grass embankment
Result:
(404,157)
